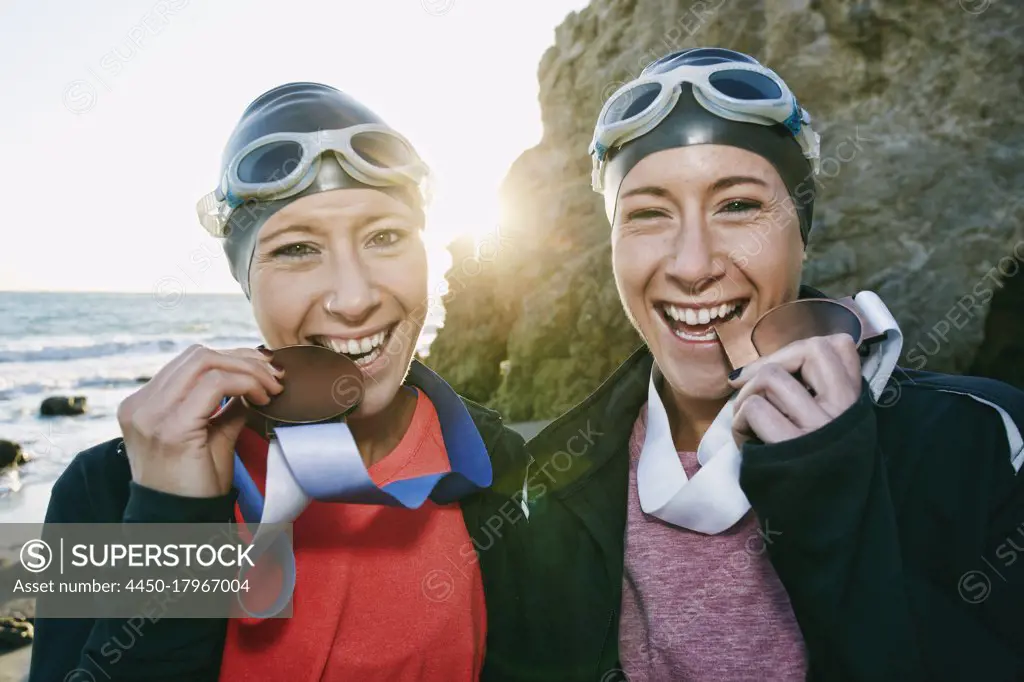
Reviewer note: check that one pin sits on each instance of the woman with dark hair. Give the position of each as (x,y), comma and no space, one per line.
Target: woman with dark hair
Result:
(758,493)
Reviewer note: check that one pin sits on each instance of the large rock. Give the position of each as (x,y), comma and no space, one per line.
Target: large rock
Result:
(919,200)
(60,406)
(11,454)
(15,633)
(470,351)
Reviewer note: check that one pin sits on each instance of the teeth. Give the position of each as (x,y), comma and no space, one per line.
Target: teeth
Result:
(699,316)
(709,335)
(365,360)
(355,346)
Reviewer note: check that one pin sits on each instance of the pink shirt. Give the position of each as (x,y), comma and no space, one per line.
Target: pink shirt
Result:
(702,607)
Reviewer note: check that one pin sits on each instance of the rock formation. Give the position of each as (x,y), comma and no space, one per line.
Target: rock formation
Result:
(15,633)
(61,406)
(11,454)
(473,299)
(919,195)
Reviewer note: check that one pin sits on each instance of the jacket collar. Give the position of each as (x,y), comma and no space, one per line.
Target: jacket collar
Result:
(571,449)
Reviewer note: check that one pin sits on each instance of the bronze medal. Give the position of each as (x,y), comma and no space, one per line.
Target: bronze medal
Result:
(319,385)
(789,322)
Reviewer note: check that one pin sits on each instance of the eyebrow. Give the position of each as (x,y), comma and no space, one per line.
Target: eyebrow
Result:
(298,228)
(733,180)
(312,228)
(647,189)
(718,186)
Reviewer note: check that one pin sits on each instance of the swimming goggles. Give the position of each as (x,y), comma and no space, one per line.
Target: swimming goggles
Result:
(738,90)
(282,165)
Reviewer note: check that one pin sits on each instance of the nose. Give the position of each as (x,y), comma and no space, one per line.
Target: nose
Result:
(693,263)
(353,296)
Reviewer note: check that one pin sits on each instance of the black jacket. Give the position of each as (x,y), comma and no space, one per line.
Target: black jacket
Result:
(97,488)
(902,530)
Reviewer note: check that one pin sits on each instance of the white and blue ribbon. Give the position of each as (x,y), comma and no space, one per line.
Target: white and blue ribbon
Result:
(322,462)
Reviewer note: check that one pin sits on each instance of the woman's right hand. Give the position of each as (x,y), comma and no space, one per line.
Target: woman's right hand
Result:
(172,443)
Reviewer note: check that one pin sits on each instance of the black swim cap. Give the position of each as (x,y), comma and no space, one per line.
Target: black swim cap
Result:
(294,108)
(689,123)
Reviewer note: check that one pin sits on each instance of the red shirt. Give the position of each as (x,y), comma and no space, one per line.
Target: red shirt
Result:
(381,593)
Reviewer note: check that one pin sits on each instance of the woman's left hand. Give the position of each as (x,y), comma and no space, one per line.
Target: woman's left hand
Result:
(773,405)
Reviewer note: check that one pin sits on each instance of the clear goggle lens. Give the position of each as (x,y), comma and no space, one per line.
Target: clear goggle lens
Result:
(279,159)
(738,84)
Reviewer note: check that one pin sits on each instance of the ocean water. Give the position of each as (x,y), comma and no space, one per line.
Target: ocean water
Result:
(95,345)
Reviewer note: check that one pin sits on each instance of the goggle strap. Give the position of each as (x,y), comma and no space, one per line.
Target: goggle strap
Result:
(232,200)
(793,122)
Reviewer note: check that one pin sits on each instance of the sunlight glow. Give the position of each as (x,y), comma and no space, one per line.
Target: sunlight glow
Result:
(114,121)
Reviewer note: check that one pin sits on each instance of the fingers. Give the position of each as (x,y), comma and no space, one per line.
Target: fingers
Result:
(758,418)
(849,355)
(828,364)
(228,423)
(796,390)
(162,424)
(241,361)
(172,443)
(786,394)
(211,388)
(160,379)
(241,372)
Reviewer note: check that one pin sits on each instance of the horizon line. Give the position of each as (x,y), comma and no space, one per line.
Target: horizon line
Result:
(114,291)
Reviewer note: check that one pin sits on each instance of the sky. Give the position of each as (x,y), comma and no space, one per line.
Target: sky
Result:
(113,117)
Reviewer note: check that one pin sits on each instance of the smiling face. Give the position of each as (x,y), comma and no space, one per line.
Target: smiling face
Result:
(702,235)
(345,269)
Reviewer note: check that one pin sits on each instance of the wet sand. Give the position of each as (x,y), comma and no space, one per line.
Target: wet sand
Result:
(27,505)
(14,665)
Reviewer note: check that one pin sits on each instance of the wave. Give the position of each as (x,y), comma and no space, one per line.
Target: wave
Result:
(64,387)
(108,382)
(62,352)
(25,389)
(56,349)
